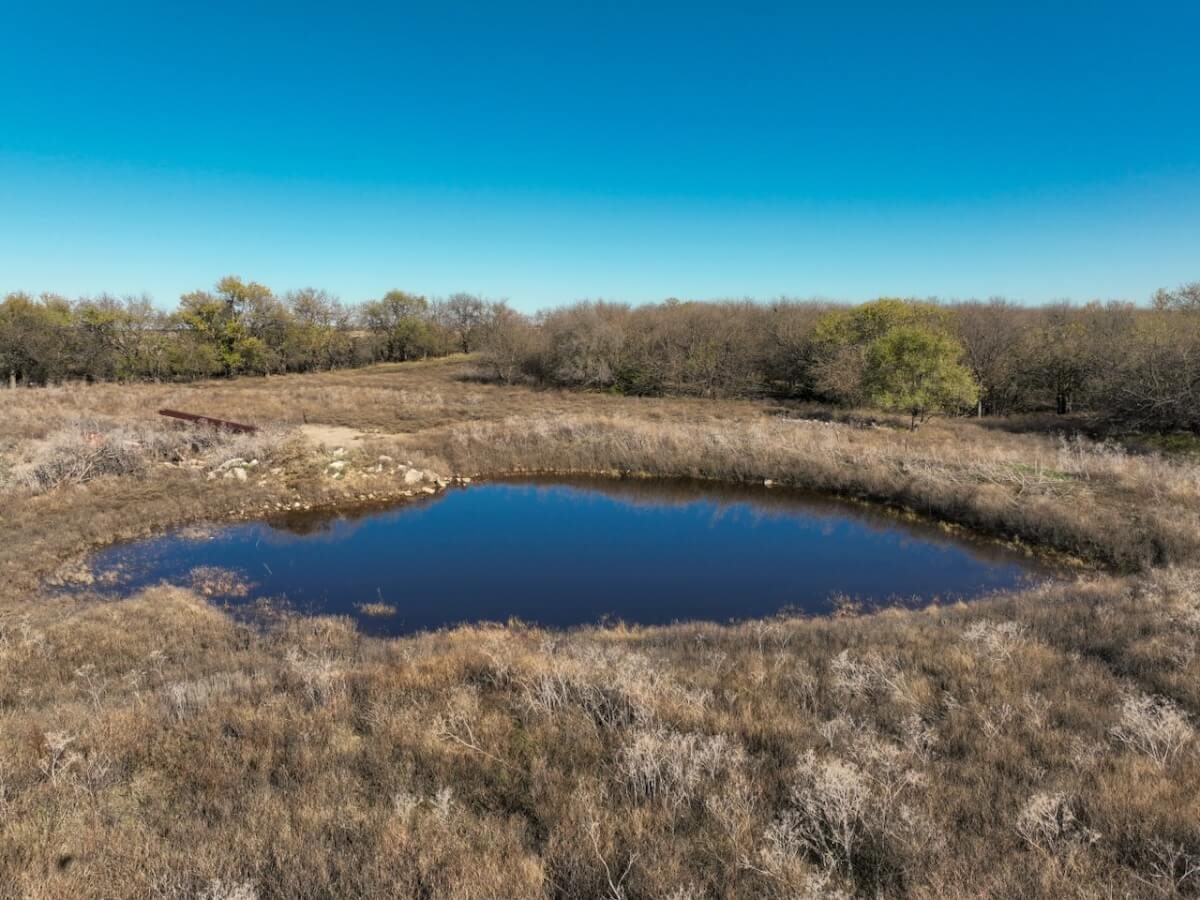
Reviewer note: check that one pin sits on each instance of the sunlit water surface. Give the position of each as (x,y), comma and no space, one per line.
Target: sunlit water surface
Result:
(562,554)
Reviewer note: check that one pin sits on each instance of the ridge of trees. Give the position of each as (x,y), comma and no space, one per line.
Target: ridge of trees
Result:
(1137,367)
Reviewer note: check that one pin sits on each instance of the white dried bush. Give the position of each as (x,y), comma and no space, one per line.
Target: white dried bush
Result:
(920,738)
(217,889)
(605,704)
(828,817)
(997,640)
(262,445)
(1048,822)
(443,803)
(58,757)
(184,699)
(1153,726)
(671,768)
(76,456)
(1171,866)
(783,859)
(85,449)
(1179,590)
(615,687)
(319,676)
(733,807)
(404,804)
(869,675)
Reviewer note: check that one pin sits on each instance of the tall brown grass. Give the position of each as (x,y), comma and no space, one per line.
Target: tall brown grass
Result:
(1039,743)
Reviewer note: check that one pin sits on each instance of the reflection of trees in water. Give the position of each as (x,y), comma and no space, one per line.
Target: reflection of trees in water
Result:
(780,502)
(342,522)
(730,499)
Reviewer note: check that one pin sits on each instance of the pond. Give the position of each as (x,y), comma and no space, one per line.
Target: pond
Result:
(577,552)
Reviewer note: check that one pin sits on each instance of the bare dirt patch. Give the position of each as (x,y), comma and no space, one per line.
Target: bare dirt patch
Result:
(331,436)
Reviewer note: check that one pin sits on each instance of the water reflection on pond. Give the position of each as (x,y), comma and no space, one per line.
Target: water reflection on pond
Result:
(567,553)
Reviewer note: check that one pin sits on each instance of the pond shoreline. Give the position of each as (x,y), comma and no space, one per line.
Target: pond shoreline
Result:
(555,551)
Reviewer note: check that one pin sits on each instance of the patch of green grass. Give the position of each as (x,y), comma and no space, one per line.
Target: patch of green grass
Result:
(1176,444)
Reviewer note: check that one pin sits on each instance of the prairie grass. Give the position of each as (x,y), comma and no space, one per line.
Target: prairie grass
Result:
(1039,743)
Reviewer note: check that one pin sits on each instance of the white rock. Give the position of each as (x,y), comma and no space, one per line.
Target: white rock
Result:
(336,466)
(412,476)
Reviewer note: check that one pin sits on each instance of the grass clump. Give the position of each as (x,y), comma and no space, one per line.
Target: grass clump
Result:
(376,609)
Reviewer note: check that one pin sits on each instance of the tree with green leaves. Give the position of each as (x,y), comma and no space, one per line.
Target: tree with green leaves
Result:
(212,324)
(318,331)
(239,295)
(400,325)
(842,337)
(918,371)
(37,342)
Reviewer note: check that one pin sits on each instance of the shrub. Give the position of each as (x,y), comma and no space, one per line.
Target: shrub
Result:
(76,456)
(1048,822)
(1153,726)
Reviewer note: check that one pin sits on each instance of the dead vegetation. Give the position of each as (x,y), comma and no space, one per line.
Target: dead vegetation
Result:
(1034,744)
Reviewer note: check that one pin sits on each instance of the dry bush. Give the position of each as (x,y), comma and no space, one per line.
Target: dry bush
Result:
(78,456)
(829,815)
(869,675)
(1048,822)
(86,449)
(998,640)
(1155,727)
(671,768)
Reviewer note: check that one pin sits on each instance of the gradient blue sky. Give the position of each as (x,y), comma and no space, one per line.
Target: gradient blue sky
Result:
(630,151)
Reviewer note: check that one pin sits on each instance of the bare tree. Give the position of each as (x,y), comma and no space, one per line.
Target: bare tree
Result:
(464,315)
(991,335)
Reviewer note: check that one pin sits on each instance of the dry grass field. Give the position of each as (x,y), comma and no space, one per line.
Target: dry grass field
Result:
(1038,744)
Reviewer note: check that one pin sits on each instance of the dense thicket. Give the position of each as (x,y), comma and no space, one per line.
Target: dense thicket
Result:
(1137,367)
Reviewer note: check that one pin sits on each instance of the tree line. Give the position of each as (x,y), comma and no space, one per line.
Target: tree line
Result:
(1137,367)
(239,327)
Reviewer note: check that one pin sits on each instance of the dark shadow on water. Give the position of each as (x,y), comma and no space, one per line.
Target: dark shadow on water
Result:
(566,552)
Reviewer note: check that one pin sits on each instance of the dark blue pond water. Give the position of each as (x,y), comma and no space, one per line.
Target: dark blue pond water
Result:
(565,554)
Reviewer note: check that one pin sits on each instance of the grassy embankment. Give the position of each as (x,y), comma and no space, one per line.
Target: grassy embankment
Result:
(1033,744)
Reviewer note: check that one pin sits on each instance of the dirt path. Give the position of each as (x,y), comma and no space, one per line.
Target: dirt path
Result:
(331,436)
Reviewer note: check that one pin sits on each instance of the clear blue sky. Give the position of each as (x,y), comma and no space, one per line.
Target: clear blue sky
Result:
(631,151)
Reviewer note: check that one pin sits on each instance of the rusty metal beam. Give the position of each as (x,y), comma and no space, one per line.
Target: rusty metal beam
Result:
(208,420)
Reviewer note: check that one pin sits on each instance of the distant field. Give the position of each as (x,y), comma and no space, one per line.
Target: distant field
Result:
(1039,743)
